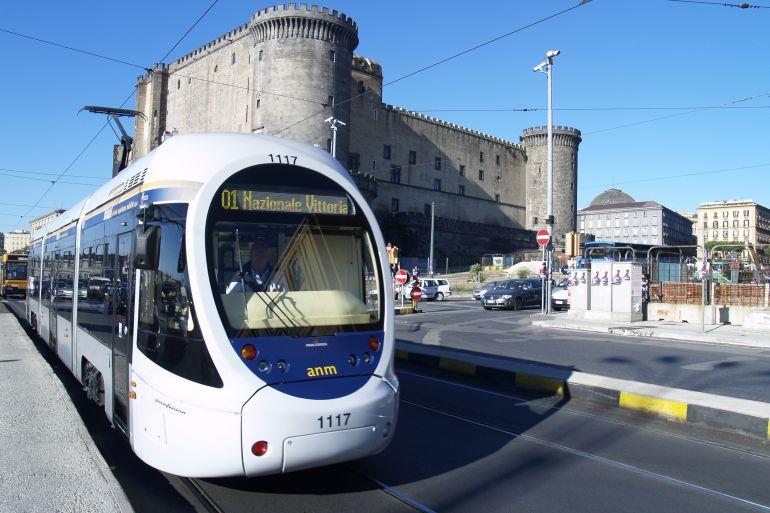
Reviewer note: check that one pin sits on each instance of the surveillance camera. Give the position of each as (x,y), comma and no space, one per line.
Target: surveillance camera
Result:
(539,66)
(552,53)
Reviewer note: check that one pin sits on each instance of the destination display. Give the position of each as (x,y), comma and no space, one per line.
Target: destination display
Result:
(291,202)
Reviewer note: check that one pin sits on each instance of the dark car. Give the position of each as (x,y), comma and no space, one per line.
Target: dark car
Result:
(513,294)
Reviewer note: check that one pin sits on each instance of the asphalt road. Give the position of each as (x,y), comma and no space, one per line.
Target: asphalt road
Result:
(724,370)
(460,447)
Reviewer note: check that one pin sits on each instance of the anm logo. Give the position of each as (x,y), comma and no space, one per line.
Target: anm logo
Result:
(327,370)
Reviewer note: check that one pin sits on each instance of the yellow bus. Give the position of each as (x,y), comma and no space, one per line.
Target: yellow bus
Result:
(13,275)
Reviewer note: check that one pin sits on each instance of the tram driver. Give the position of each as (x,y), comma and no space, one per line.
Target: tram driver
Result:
(257,275)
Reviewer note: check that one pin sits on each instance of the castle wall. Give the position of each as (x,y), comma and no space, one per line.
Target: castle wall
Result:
(415,143)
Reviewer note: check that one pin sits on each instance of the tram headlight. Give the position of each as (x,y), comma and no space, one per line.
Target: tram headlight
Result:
(366,357)
(249,352)
(281,365)
(353,360)
(264,366)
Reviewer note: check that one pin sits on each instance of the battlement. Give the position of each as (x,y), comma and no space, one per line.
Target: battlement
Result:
(564,130)
(301,10)
(367,65)
(452,126)
(221,41)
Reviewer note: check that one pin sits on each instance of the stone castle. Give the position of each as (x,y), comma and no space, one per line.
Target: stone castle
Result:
(292,66)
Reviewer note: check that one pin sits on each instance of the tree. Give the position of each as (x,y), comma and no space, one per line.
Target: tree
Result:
(476,273)
(523,273)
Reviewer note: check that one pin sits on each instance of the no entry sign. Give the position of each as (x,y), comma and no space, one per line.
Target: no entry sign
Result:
(401,276)
(543,237)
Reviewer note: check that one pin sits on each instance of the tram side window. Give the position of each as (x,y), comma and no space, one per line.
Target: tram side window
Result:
(45,285)
(169,333)
(95,277)
(63,287)
(33,281)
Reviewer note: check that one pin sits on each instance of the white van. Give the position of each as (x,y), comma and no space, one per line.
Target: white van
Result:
(442,285)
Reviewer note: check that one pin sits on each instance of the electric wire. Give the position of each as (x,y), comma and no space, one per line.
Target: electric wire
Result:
(437,63)
(98,133)
(743,5)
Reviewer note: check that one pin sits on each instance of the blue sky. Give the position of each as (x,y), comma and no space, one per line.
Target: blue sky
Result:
(626,70)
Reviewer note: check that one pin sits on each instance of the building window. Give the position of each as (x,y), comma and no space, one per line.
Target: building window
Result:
(374,165)
(481,175)
(590,224)
(375,114)
(412,157)
(724,224)
(715,224)
(497,160)
(329,145)
(725,213)
(653,230)
(216,67)
(360,87)
(745,213)
(394,205)
(746,234)
(426,210)
(395,174)
(178,84)
(481,157)
(260,55)
(725,235)
(437,163)
(330,101)
(332,55)
(354,161)
(497,198)
(705,224)
(232,58)
(462,170)
(436,184)
(461,190)
(735,223)
(745,222)
(386,151)
(735,213)
(259,102)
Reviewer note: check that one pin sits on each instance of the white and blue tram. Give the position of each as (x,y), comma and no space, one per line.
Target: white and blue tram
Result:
(133,290)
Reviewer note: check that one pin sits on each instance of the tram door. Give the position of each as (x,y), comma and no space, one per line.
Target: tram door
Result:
(120,301)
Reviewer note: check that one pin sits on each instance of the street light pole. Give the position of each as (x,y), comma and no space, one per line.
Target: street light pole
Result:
(430,258)
(334,122)
(548,65)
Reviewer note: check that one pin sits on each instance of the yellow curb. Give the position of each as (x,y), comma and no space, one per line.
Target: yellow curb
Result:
(531,382)
(663,407)
(768,429)
(457,366)
(405,310)
(402,355)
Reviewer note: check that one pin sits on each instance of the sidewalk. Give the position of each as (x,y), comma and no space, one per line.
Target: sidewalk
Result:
(723,334)
(48,461)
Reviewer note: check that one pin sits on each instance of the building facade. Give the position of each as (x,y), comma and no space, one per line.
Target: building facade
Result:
(291,67)
(615,216)
(16,240)
(41,221)
(733,221)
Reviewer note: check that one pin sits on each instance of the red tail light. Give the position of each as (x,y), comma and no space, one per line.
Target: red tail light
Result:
(259,448)
(374,344)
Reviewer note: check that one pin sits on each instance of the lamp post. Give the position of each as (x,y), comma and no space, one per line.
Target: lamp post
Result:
(334,122)
(430,258)
(546,67)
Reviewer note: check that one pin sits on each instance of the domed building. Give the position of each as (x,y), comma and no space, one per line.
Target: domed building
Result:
(615,216)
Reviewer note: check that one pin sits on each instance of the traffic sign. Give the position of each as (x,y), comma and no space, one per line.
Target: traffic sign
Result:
(416,293)
(543,237)
(401,276)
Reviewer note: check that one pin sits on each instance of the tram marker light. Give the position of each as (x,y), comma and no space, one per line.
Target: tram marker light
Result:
(353,360)
(259,448)
(366,357)
(374,344)
(264,366)
(281,365)
(249,352)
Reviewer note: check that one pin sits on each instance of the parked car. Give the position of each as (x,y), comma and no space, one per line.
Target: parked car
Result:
(513,294)
(560,296)
(442,286)
(479,292)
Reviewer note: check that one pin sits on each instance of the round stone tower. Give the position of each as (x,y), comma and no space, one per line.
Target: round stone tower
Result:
(302,65)
(565,148)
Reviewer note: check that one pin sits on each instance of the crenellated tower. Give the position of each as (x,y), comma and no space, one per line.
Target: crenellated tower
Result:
(303,58)
(565,149)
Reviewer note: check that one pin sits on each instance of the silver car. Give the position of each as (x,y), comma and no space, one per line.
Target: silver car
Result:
(479,292)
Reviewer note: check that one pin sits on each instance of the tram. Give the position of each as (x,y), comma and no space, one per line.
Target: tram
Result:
(222,299)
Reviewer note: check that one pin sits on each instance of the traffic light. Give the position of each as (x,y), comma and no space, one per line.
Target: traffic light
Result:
(569,246)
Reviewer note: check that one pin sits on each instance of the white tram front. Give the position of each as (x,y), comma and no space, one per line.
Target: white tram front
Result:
(223,298)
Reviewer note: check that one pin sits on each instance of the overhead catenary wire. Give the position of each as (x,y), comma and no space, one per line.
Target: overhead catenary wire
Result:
(98,133)
(439,62)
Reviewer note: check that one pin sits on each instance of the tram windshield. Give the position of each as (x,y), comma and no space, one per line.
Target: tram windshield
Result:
(290,261)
